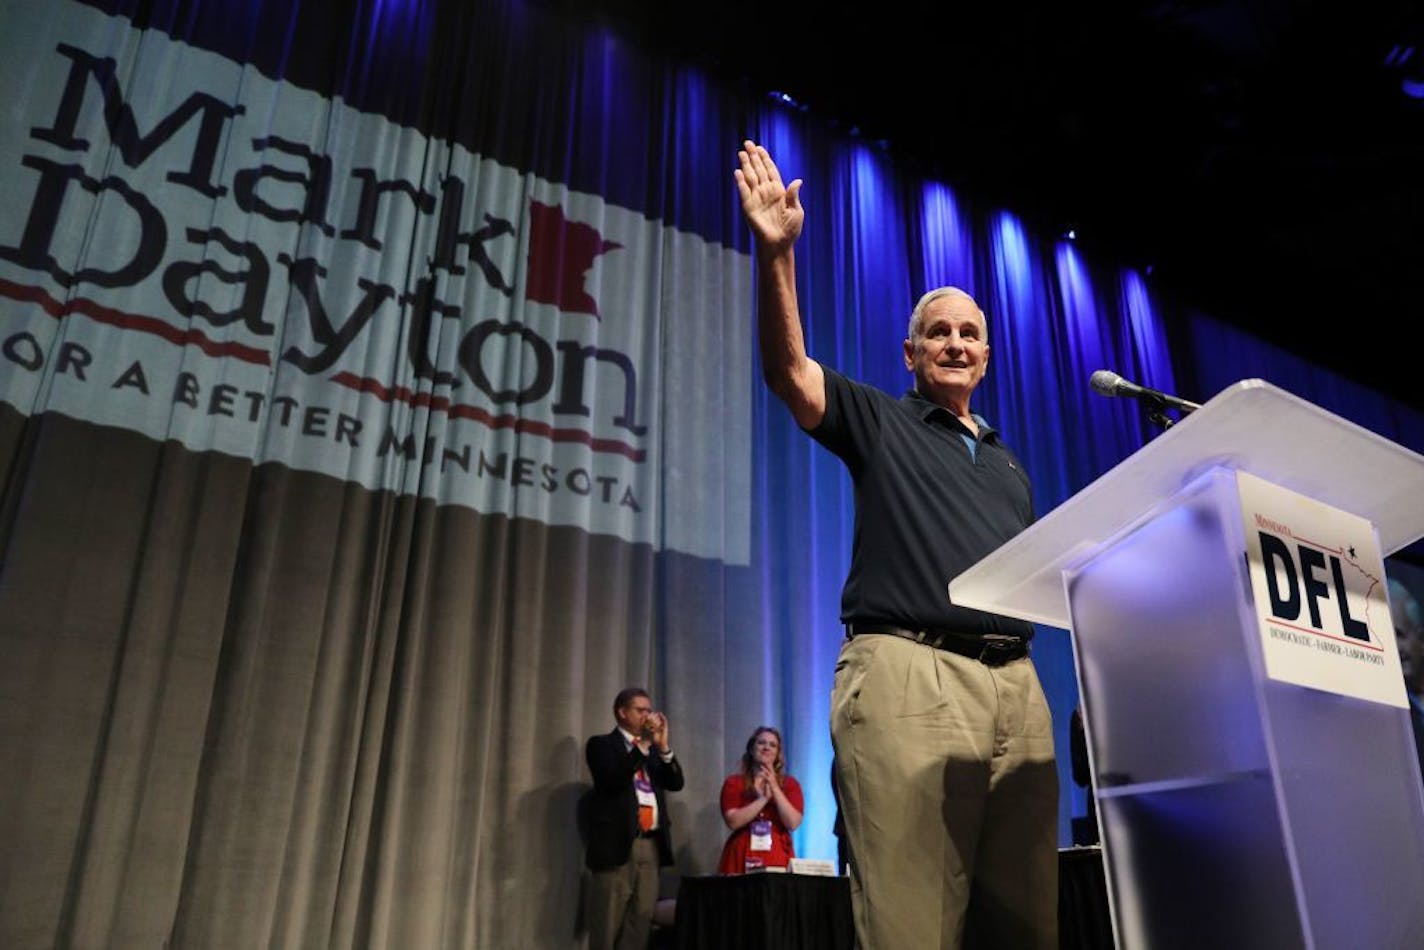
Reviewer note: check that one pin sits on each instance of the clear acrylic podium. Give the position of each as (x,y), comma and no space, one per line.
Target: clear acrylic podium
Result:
(1235,810)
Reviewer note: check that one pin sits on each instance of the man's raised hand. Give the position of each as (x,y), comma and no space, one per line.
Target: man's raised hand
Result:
(772,209)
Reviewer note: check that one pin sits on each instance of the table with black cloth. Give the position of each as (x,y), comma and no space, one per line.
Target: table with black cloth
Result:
(775,911)
(764,911)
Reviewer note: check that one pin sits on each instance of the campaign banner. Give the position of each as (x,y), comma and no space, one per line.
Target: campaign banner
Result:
(198,252)
(1320,593)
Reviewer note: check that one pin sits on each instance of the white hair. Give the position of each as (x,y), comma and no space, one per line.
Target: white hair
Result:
(917,316)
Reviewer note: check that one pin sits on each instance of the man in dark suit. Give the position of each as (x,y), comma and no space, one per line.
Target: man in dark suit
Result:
(627,822)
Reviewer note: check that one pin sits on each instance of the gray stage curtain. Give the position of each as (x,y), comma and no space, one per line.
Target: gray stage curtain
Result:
(247,706)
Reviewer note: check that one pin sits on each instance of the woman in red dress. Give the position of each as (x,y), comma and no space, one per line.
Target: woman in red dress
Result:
(762,805)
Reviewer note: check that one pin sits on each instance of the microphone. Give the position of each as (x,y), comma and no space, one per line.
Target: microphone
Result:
(1107,383)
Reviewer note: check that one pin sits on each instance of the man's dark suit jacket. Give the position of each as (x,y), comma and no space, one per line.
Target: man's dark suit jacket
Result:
(611,806)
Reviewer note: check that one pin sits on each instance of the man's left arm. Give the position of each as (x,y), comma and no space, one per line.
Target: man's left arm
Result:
(666,771)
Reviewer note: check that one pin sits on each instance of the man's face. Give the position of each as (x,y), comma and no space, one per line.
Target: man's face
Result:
(632,716)
(952,351)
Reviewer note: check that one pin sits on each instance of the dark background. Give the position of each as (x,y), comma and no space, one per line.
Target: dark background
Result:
(1260,161)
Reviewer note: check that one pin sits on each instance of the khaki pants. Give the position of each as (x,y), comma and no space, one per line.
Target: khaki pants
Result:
(621,901)
(950,798)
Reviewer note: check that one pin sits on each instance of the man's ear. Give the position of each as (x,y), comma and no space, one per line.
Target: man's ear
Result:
(909,348)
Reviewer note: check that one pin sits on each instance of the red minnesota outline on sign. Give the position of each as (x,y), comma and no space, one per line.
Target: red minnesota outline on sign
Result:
(561,253)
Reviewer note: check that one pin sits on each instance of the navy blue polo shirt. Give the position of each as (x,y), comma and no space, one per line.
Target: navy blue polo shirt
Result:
(926,507)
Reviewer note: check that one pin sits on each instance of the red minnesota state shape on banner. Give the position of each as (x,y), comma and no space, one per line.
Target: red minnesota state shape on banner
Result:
(561,253)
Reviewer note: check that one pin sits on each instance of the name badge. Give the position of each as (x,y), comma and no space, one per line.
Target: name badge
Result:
(644,788)
(761,835)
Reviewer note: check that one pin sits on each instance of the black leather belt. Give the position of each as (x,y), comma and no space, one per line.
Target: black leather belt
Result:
(989,649)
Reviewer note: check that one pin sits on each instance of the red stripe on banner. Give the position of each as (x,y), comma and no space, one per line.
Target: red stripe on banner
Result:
(131,321)
(460,411)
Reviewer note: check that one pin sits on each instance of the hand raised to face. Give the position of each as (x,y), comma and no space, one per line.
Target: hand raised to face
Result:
(659,734)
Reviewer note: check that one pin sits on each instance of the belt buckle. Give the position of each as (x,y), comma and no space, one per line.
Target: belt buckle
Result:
(995,651)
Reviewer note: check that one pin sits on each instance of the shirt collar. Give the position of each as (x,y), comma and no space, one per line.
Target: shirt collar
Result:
(928,410)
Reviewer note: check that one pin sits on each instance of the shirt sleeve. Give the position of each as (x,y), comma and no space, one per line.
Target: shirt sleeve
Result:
(732,792)
(851,424)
